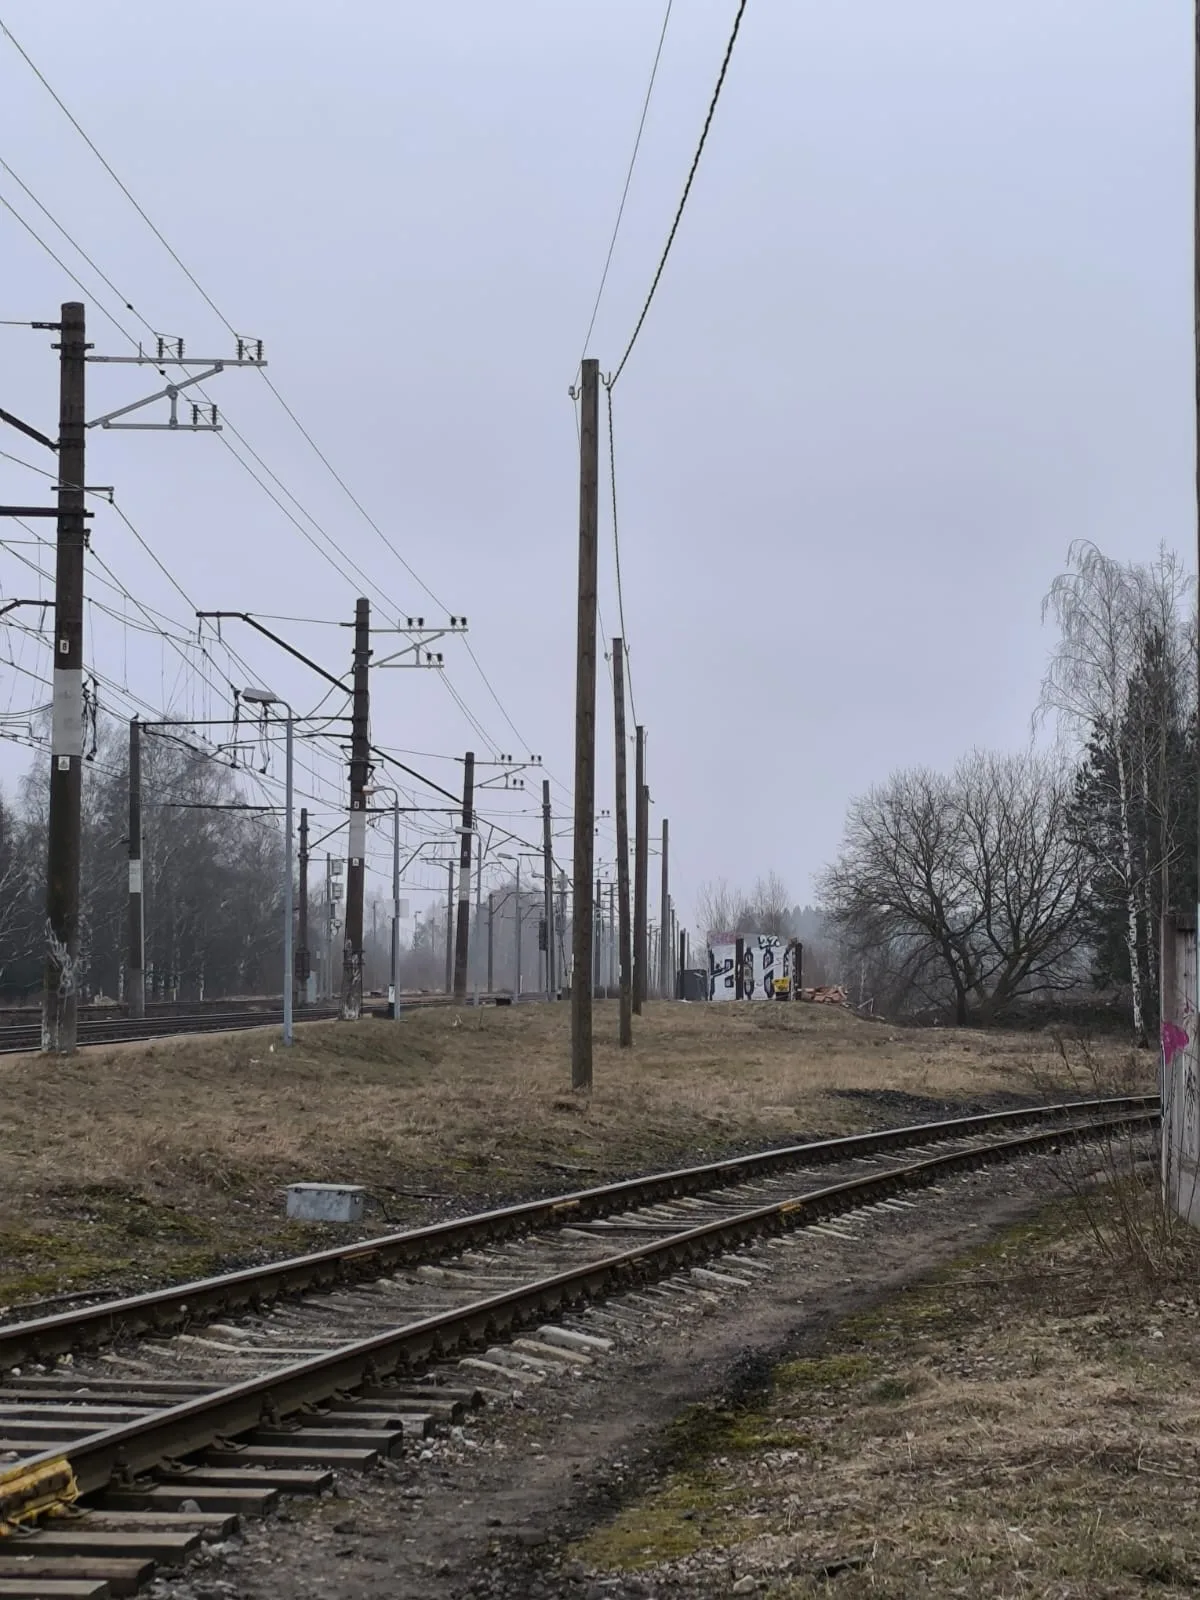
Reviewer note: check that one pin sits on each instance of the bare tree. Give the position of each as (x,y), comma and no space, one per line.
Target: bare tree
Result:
(767,908)
(966,891)
(770,906)
(720,908)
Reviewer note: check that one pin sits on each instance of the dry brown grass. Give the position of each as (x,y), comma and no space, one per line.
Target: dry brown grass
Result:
(198,1135)
(1027,1425)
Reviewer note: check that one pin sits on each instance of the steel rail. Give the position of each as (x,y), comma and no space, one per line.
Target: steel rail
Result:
(95,1031)
(20,1040)
(139,1446)
(161,1310)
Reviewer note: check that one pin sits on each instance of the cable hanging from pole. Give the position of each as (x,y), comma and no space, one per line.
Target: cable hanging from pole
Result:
(612,473)
(687,189)
(637,144)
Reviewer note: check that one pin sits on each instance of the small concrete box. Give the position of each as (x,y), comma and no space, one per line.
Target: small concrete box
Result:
(326,1202)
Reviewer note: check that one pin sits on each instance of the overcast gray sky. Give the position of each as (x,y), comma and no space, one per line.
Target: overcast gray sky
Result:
(926,321)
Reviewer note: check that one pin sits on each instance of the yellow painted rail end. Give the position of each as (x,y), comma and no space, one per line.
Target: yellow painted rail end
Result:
(27,1493)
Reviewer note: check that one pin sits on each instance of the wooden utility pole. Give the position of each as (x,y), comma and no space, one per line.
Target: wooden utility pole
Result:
(1196,317)
(624,932)
(60,994)
(302,955)
(462,932)
(585,734)
(360,773)
(450,927)
(491,985)
(548,877)
(666,943)
(641,863)
(135,961)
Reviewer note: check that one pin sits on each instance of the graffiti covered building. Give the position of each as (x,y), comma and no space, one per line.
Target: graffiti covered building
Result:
(758,968)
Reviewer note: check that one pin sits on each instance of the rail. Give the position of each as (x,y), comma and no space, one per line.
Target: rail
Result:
(176,1431)
(160,1310)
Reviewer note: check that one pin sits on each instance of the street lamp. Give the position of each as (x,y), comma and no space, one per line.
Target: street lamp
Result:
(264,697)
(386,788)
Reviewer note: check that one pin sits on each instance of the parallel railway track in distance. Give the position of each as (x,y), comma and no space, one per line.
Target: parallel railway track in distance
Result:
(24,1038)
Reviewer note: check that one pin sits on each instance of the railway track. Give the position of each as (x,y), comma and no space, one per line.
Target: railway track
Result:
(25,1037)
(174,1412)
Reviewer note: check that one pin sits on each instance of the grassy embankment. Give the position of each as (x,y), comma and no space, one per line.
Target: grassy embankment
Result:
(150,1161)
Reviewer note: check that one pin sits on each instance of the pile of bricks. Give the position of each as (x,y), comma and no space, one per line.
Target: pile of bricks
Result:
(831,995)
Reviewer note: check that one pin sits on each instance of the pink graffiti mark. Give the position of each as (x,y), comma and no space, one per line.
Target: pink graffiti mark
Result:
(1174,1041)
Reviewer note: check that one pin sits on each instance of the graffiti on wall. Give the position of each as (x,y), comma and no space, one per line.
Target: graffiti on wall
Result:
(766,968)
(722,971)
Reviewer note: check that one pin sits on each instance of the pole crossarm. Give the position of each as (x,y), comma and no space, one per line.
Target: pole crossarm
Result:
(24,427)
(170,353)
(244,616)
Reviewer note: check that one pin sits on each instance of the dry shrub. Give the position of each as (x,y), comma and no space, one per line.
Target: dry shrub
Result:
(1115,1180)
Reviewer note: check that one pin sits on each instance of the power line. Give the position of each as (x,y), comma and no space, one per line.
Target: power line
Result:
(57,259)
(7,31)
(612,472)
(194,281)
(74,243)
(29,466)
(612,243)
(687,189)
(299,526)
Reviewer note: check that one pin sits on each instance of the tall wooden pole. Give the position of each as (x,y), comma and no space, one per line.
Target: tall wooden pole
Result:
(360,773)
(135,964)
(585,735)
(641,862)
(548,882)
(60,992)
(303,958)
(1194,999)
(666,942)
(625,933)
(462,931)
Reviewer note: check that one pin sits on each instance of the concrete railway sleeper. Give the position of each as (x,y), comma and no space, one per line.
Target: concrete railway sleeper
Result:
(144,1456)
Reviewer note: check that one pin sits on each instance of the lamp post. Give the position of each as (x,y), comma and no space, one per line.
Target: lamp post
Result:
(264,697)
(386,788)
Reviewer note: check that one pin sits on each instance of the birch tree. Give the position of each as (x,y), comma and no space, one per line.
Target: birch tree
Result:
(1098,607)
(1121,679)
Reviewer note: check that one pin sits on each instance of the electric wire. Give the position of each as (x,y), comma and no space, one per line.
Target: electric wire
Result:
(75,245)
(29,467)
(687,189)
(472,720)
(612,472)
(211,303)
(637,143)
(57,259)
